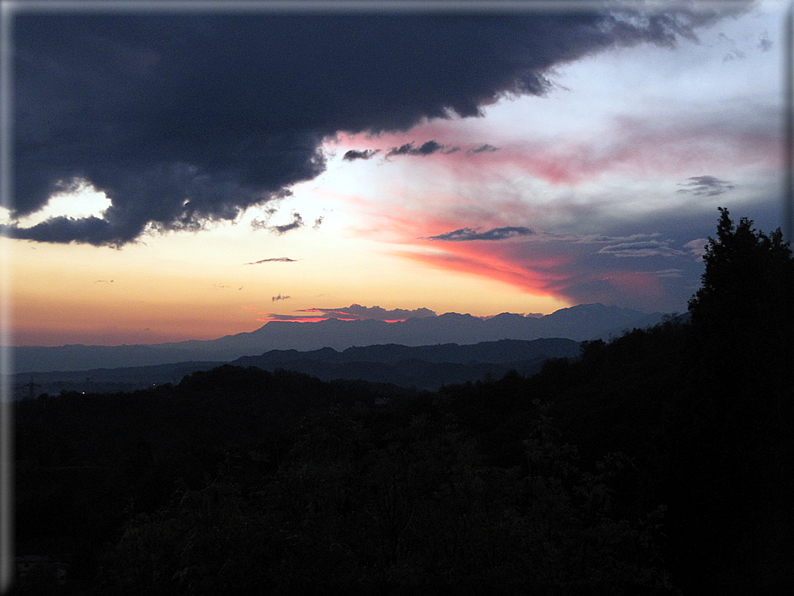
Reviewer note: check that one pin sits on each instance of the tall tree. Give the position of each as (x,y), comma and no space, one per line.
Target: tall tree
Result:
(747,294)
(735,455)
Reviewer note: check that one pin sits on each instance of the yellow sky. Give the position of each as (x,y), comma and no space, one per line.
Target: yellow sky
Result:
(207,284)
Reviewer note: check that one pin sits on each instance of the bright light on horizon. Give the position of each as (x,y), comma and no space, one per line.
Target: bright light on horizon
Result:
(598,190)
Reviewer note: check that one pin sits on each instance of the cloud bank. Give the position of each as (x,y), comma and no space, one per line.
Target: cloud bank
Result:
(182,120)
(355,312)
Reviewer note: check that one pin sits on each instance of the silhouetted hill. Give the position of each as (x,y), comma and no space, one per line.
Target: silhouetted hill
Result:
(578,323)
(423,367)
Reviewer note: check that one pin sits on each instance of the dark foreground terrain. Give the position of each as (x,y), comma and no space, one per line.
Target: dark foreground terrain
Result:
(658,463)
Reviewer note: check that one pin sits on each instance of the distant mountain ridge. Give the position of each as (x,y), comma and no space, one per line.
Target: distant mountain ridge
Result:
(423,367)
(420,367)
(578,323)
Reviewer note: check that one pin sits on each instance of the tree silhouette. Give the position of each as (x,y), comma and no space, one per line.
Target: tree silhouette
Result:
(743,323)
(747,289)
(735,456)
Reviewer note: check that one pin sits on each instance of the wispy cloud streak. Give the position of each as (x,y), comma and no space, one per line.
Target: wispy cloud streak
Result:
(705,186)
(273,260)
(469,234)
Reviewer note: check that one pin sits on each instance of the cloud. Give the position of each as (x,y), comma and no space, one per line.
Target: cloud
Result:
(467,234)
(63,229)
(669,273)
(297,222)
(291,318)
(273,260)
(531,277)
(356,312)
(708,186)
(652,248)
(185,119)
(734,54)
(353,155)
(764,43)
(427,148)
(486,148)
(574,268)
(697,247)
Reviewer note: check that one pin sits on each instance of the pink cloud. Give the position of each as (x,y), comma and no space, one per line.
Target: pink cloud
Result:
(354,312)
(539,275)
(474,193)
(626,145)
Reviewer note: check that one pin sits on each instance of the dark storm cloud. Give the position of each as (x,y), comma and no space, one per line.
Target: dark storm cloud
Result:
(64,229)
(467,234)
(707,186)
(186,119)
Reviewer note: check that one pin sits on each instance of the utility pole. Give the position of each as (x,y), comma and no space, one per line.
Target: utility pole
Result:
(31,387)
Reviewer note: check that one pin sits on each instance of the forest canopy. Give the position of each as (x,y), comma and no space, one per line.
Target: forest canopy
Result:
(656,463)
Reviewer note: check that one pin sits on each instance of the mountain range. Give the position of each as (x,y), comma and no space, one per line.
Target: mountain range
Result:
(421,367)
(577,323)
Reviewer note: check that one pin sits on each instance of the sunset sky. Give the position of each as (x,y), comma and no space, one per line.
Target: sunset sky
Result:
(194,174)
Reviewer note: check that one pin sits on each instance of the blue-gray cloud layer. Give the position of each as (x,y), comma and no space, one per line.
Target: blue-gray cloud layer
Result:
(184,119)
(707,186)
(467,234)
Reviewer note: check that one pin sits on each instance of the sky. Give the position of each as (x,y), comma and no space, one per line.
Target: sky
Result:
(190,173)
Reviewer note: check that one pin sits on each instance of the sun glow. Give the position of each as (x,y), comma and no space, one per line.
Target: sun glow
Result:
(79,200)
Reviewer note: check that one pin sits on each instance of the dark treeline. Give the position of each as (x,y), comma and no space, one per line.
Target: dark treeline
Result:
(657,463)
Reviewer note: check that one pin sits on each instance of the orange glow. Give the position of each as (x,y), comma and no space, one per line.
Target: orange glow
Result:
(491,267)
